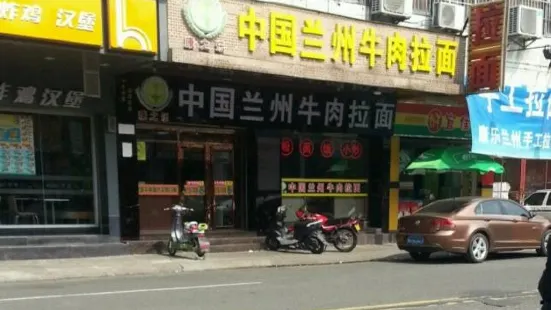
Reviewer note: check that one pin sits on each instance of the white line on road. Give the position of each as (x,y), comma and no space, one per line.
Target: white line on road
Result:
(149,290)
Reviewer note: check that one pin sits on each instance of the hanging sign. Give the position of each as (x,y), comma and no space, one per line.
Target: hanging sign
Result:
(513,123)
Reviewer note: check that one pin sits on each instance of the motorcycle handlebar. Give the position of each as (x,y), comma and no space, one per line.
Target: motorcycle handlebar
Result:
(185,209)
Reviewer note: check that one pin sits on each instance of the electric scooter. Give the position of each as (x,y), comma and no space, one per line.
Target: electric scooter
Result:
(305,234)
(186,236)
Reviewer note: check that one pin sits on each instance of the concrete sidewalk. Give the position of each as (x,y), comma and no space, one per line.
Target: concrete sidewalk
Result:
(32,270)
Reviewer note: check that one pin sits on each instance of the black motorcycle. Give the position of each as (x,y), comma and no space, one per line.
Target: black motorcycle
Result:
(305,235)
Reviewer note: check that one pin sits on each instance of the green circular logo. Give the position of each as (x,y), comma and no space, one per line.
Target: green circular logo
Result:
(154,93)
(205,18)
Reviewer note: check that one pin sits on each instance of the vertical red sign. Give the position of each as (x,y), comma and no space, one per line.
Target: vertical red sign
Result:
(487,24)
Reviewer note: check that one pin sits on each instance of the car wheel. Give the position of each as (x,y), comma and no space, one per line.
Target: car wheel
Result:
(542,251)
(419,256)
(479,248)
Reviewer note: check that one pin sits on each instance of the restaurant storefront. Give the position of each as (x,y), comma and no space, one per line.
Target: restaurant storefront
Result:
(57,125)
(419,127)
(266,104)
(223,148)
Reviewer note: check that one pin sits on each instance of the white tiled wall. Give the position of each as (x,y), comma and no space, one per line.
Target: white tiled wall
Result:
(528,66)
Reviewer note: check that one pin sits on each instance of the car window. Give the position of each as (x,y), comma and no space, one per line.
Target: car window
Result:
(444,206)
(548,202)
(511,208)
(536,199)
(489,207)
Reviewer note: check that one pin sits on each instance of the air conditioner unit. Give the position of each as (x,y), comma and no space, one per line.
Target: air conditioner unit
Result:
(399,9)
(525,22)
(449,16)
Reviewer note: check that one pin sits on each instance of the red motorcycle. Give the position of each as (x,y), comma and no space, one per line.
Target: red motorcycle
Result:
(342,233)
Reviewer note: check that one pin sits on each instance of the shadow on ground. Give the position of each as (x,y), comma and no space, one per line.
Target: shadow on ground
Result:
(446,258)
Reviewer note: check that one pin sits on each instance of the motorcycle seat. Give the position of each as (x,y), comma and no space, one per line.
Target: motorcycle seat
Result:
(334,221)
(187,225)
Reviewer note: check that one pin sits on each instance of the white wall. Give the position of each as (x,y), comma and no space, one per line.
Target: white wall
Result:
(348,9)
(528,67)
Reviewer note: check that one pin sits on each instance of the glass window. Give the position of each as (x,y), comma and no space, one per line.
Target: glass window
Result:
(46,170)
(323,156)
(490,207)
(511,208)
(316,160)
(444,206)
(536,199)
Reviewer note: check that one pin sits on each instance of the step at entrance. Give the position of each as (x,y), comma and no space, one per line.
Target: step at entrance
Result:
(62,246)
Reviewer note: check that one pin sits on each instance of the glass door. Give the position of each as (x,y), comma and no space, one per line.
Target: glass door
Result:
(221,165)
(206,178)
(193,176)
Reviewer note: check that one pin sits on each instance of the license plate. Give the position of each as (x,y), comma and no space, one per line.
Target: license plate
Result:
(357,226)
(415,240)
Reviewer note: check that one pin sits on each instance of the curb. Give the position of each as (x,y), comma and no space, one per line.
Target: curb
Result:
(159,269)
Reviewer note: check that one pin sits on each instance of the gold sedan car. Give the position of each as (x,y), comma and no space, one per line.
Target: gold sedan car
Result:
(472,226)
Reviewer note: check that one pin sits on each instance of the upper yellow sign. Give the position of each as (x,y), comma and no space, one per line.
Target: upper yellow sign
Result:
(347,43)
(133,25)
(78,22)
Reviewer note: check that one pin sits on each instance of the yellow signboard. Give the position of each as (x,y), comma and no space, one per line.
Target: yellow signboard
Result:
(347,43)
(133,25)
(78,22)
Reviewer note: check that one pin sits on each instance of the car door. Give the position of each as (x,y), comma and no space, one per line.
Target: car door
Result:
(535,202)
(526,233)
(491,212)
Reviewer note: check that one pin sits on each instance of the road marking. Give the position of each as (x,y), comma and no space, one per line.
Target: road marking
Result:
(432,302)
(406,304)
(150,290)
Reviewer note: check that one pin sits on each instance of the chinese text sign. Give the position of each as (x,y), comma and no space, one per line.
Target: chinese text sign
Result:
(486,47)
(281,40)
(425,120)
(513,123)
(78,22)
(198,102)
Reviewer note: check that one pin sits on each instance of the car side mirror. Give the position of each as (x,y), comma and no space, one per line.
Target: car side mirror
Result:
(529,215)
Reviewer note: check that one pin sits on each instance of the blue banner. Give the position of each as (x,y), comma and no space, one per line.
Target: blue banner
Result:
(513,123)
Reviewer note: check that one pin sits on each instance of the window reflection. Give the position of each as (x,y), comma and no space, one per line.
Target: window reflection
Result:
(59,190)
(330,161)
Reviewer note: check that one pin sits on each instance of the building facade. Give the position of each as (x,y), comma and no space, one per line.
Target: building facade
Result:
(527,66)
(261,104)
(58,169)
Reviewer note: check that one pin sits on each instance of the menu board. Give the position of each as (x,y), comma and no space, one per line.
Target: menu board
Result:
(17,145)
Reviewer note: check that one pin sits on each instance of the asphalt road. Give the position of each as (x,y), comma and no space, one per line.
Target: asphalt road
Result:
(447,281)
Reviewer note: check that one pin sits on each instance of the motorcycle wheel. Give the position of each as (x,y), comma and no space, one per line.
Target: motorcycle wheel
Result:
(171,247)
(315,245)
(352,238)
(272,243)
(197,249)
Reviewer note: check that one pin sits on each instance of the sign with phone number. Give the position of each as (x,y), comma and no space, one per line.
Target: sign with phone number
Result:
(324,188)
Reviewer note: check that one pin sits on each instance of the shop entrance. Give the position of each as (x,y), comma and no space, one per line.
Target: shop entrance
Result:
(198,166)
(206,169)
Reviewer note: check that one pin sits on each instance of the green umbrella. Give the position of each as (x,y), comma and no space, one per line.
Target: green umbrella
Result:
(454,159)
